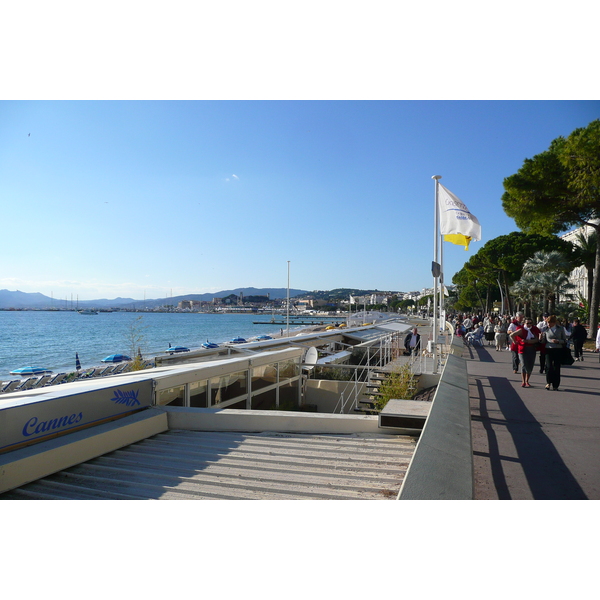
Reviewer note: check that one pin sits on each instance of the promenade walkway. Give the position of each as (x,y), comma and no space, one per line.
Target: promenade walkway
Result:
(531,443)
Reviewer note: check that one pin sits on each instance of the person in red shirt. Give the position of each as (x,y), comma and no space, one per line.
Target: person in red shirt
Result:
(516,323)
(526,339)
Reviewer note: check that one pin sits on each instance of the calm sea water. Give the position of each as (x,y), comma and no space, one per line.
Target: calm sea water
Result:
(51,339)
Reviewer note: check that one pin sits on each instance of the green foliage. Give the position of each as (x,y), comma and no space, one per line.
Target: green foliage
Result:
(558,189)
(333,373)
(401,384)
(499,262)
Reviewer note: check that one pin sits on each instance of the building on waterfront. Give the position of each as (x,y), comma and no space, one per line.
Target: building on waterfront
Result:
(579,276)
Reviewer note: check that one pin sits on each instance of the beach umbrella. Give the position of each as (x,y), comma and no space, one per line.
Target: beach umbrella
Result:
(208,344)
(264,337)
(28,371)
(115,358)
(77,362)
(238,340)
(172,349)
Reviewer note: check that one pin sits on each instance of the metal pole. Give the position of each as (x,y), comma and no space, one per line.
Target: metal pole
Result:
(442,323)
(436,239)
(288,301)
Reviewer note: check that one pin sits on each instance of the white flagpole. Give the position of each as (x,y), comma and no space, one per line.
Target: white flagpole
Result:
(436,243)
(442,323)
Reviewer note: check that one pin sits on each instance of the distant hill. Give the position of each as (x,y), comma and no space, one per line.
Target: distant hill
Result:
(21,300)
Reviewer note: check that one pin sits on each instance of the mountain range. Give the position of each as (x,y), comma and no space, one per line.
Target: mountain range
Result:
(23,300)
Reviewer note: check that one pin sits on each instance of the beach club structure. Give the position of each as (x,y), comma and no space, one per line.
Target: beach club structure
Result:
(255,420)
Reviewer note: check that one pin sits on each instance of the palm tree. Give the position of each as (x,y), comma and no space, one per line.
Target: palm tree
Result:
(525,291)
(550,269)
(548,262)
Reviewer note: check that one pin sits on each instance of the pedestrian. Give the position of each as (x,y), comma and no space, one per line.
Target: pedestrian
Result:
(542,326)
(526,338)
(467,324)
(556,341)
(500,334)
(598,342)
(517,323)
(568,330)
(488,328)
(578,335)
(412,342)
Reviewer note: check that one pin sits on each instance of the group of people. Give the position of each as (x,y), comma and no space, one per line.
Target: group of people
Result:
(491,328)
(524,339)
(551,338)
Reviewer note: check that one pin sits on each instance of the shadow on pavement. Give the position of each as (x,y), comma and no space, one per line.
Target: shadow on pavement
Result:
(547,475)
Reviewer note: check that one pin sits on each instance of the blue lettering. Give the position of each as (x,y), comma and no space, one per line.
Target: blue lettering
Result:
(34,426)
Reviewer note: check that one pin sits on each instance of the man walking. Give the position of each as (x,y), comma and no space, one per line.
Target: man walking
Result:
(412,342)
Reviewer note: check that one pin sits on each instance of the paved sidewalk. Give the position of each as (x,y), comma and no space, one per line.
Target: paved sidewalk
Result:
(531,443)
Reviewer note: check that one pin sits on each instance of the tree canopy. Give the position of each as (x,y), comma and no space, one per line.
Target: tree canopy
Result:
(498,264)
(559,189)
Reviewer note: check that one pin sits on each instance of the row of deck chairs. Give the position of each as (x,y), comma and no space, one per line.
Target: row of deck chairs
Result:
(104,371)
(31,383)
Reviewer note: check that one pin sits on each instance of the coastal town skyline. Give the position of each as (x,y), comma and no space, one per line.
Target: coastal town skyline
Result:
(152,199)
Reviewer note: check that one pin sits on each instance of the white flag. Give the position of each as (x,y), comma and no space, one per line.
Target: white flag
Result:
(457,224)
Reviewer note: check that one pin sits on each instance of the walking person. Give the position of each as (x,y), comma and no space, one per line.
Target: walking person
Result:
(412,342)
(517,323)
(467,324)
(488,328)
(500,330)
(542,326)
(578,335)
(556,340)
(526,338)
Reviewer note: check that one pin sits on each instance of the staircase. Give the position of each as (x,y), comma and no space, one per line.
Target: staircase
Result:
(367,406)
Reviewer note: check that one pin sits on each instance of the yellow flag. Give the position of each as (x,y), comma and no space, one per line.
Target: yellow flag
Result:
(459,239)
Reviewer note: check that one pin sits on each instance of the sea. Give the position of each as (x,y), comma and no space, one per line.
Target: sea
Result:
(50,339)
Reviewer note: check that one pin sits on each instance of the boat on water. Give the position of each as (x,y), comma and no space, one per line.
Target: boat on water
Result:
(88,311)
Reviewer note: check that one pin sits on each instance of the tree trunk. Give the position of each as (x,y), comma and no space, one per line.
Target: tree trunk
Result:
(595,300)
(509,308)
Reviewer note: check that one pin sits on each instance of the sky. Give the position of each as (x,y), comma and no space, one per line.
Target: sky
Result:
(123,185)
(147,199)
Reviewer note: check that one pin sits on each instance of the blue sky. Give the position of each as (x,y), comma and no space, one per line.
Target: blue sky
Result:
(202,147)
(153,198)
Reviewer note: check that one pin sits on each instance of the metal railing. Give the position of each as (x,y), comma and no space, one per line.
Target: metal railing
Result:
(374,357)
